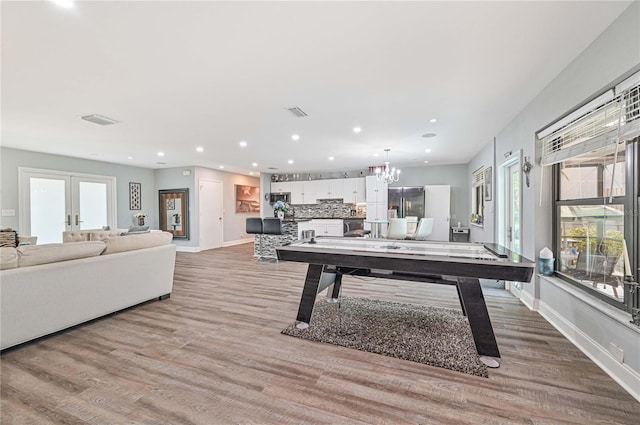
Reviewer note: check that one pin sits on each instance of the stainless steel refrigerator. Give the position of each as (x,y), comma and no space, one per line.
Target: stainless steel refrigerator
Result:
(407,201)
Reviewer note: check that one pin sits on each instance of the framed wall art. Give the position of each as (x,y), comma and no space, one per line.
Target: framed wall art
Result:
(247,199)
(135,196)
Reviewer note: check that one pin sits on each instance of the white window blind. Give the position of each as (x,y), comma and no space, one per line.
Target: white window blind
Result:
(613,117)
(478,177)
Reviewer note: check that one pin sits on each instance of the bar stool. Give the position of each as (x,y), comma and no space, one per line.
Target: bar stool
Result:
(272,226)
(254,226)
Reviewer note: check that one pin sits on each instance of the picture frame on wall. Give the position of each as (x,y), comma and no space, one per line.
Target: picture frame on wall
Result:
(488,183)
(135,196)
(247,199)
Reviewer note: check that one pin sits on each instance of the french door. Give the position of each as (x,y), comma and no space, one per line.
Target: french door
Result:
(510,209)
(52,202)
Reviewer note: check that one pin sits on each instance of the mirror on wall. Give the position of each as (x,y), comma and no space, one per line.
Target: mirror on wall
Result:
(174,212)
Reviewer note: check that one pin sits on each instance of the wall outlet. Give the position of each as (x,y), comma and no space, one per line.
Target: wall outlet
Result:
(8,213)
(186,172)
(616,352)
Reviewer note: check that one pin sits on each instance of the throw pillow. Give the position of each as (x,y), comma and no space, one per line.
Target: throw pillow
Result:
(8,237)
(138,228)
(134,233)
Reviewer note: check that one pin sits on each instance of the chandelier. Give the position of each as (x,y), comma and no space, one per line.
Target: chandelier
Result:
(387,175)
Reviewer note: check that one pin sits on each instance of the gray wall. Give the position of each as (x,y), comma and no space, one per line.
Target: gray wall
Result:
(11,159)
(613,54)
(173,178)
(453,175)
(234,223)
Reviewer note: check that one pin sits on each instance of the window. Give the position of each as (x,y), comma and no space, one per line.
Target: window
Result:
(594,152)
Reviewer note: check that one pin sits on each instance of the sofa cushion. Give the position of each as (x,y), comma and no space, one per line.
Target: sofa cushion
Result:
(132,242)
(75,236)
(8,258)
(33,255)
(103,235)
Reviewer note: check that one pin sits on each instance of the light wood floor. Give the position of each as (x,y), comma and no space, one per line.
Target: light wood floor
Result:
(213,354)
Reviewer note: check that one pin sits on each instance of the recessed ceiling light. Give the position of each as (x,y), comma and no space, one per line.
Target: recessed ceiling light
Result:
(331,158)
(427,150)
(357,129)
(221,167)
(427,135)
(160,153)
(255,164)
(200,149)
(290,161)
(242,143)
(251,173)
(129,157)
(433,120)
(295,137)
(375,154)
(67,4)
(426,162)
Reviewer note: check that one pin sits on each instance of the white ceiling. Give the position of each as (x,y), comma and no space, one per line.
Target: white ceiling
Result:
(183,74)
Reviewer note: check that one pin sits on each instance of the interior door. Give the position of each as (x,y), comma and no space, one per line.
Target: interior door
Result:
(211,214)
(54,202)
(437,204)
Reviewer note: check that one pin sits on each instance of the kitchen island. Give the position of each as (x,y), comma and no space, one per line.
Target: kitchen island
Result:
(271,242)
(292,229)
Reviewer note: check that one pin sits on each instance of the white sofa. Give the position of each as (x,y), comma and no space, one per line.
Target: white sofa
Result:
(36,300)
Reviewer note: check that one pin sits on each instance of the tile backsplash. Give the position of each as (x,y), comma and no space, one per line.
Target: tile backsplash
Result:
(326,208)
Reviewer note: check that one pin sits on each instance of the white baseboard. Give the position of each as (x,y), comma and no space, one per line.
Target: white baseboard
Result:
(622,374)
(180,248)
(237,242)
(528,300)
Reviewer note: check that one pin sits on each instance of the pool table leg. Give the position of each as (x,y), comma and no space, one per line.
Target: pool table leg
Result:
(475,308)
(335,293)
(309,292)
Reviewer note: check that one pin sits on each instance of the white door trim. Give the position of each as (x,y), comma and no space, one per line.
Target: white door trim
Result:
(24,173)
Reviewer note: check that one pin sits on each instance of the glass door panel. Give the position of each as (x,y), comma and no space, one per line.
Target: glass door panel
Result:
(48,208)
(92,205)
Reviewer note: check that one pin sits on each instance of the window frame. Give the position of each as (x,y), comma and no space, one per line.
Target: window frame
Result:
(631,205)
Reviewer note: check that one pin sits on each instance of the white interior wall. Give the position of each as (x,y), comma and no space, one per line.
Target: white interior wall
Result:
(587,322)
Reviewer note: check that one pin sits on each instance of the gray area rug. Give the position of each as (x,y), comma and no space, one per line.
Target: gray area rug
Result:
(431,335)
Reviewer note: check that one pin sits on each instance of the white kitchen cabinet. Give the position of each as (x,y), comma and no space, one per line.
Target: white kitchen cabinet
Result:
(327,227)
(376,212)
(314,190)
(280,187)
(302,226)
(297,193)
(354,190)
(376,191)
(336,188)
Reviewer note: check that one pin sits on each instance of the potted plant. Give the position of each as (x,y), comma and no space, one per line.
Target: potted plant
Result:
(279,208)
(140,217)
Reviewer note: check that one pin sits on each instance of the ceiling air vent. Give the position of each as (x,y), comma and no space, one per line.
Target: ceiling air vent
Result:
(272,168)
(99,119)
(297,112)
